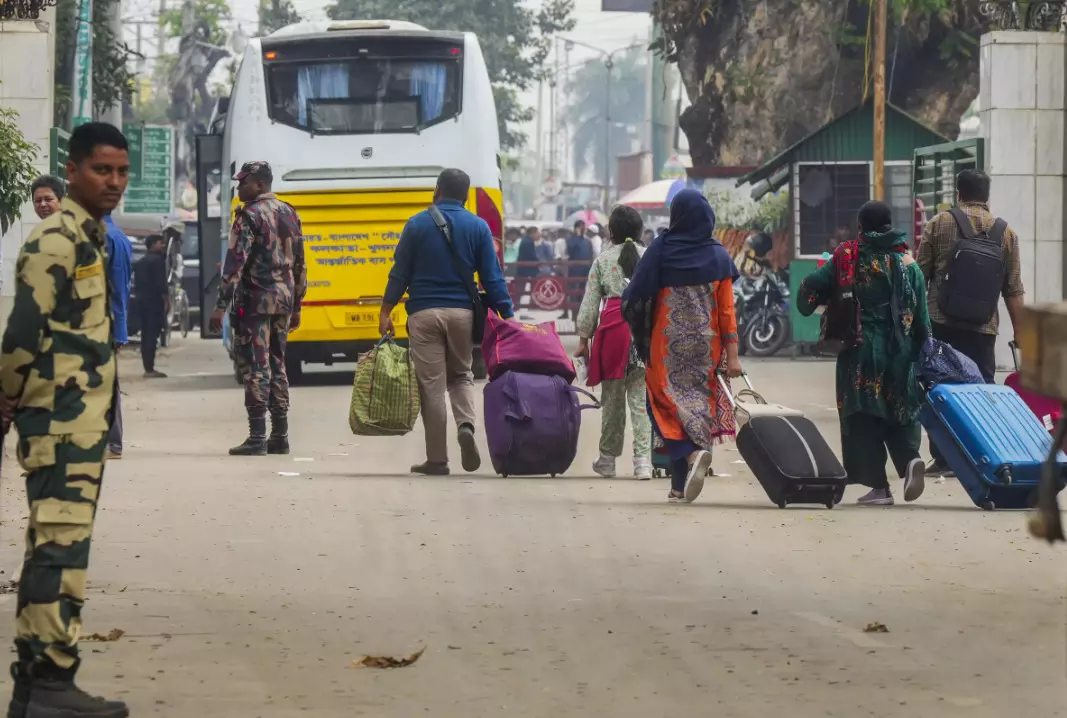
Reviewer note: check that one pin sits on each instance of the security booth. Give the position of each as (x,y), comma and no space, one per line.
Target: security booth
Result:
(830,174)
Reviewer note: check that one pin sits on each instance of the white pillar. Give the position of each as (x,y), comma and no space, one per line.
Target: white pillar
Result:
(27,85)
(1021,98)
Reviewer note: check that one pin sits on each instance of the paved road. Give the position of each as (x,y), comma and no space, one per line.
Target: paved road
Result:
(247,592)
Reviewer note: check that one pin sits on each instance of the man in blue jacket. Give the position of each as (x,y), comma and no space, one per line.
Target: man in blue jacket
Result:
(119,268)
(440,314)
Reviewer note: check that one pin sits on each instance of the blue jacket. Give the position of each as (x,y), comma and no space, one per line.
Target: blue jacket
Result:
(423,264)
(119,269)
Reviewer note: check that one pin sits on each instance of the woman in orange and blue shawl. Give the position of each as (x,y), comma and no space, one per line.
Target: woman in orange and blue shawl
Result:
(680,308)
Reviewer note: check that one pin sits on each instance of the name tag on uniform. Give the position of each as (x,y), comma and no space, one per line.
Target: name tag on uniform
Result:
(92,270)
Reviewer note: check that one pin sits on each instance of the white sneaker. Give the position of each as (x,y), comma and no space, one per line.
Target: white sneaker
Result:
(642,468)
(698,470)
(605,466)
(914,480)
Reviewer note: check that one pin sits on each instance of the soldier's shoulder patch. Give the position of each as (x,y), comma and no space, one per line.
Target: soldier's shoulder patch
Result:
(92,270)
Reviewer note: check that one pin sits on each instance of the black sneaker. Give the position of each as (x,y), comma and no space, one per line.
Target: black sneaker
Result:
(431,468)
(63,699)
(468,449)
(154,375)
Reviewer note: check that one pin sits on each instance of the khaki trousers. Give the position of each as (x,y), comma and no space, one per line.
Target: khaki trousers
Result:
(441,346)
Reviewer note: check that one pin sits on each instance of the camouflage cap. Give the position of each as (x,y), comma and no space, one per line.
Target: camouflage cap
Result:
(257,168)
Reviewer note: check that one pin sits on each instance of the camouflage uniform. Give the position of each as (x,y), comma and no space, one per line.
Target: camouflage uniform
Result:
(57,377)
(265,277)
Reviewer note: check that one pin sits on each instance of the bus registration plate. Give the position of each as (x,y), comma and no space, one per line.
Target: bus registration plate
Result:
(366,319)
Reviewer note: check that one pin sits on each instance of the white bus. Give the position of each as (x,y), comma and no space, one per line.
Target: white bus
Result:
(357,119)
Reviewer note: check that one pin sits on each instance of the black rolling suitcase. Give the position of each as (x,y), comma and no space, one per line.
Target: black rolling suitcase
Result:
(788,455)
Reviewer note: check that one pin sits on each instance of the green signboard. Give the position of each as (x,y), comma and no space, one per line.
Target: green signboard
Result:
(152,192)
(82,92)
(135,139)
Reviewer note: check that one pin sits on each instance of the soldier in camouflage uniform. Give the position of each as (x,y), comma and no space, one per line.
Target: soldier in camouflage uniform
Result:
(57,382)
(264,279)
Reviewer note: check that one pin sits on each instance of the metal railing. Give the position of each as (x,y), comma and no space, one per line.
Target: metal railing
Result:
(557,287)
(935,170)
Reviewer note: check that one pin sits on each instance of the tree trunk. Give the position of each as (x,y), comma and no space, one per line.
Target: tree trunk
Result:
(763,75)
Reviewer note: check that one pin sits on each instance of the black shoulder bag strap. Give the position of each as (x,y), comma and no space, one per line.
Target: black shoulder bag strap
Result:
(996,232)
(465,273)
(964,224)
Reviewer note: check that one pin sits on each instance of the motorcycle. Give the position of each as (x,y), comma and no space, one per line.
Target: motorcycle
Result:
(762,309)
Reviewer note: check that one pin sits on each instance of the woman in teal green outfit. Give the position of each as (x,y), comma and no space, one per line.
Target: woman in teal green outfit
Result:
(878,398)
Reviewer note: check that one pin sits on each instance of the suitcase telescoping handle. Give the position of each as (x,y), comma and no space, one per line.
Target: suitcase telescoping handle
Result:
(1015,354)
(750,391)
(577,390)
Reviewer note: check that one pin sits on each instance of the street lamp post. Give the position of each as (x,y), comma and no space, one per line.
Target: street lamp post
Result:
(609,65)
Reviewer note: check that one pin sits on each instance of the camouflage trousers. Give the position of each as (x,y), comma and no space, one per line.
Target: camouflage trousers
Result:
(259,344)
(63,485)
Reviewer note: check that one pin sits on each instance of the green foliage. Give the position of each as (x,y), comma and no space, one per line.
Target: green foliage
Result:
(276,14)
(679,18)
(16,169)
(113,82)
(586,91)
(210,17)
(957,47)
(515,36)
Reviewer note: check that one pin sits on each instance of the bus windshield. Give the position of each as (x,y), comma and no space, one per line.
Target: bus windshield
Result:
(364,96)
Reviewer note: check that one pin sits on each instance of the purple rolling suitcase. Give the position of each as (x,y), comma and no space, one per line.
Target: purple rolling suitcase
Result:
(532,423)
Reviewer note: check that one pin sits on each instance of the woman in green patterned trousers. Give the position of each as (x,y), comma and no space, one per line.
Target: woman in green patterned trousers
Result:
(613,363)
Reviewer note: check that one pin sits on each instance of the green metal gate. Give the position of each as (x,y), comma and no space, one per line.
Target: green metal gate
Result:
(935,170)
(58,140)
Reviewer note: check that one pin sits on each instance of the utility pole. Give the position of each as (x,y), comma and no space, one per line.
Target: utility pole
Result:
(566,163)
(648,134)
(879,8)
(539,171)
(609,63)
(553,128)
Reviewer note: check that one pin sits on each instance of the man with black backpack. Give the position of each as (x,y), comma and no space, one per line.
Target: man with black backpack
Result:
(970,259)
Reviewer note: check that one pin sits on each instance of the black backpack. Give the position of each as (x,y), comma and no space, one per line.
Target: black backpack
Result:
(969,290)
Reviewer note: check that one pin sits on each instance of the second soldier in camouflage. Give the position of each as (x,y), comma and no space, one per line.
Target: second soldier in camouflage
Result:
(264,279)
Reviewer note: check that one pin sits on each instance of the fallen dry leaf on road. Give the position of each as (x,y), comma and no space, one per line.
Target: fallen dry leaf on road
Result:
(387,661)
(113,635)
(876,628)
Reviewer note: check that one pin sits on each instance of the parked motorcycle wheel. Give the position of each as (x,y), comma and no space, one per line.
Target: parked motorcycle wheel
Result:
(767,334)
(743,340)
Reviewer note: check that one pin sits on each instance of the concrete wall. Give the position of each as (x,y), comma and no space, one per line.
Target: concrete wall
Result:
(1021,98)
(27,74)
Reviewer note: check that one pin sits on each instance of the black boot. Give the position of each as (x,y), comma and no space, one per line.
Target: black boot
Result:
(278,443)
(20,696)
(256,443)
(55,699)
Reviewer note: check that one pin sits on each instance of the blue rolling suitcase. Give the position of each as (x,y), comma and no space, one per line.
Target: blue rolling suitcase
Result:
(992,441)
